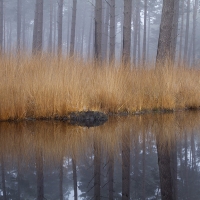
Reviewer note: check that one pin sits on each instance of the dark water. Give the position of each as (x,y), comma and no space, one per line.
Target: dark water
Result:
(142,157)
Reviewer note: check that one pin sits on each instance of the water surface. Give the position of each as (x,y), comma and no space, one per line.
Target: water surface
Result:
(152,156)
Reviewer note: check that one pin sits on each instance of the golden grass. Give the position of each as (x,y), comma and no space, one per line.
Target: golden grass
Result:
(49,87)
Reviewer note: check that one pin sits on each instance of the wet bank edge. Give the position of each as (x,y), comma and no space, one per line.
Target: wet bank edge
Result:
(97,118)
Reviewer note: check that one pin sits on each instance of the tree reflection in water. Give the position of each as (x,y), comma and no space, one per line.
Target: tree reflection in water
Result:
(140,157)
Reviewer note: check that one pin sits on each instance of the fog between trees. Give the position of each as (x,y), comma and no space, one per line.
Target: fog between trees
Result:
(106,30)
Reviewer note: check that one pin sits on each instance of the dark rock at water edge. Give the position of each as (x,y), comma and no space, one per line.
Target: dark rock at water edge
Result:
(88,118)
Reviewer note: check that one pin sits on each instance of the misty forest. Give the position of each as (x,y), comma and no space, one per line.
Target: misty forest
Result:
(112,56)
(99,99)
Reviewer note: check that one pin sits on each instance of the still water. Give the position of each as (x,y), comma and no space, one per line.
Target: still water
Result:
(152,156)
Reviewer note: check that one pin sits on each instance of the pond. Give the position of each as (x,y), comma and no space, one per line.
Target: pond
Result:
(150,156)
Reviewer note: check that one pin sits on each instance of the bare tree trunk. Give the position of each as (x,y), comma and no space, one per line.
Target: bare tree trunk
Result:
(75,179)
(195,9)
(19,11)
(136,17)
(127,32)
(112,31)
(187,30)
(60,22)
(24,30)
(181,35)
(10,37)
(54,31)
(145,34)
(38,27)
(163,50)
(91,39)
(125,166)
(98,30)
(149,31)
(139,48)
(1,26)
(68,29)
(73,26)
(4,35)
(50,44)
(105,33)
(189,56)
(174,31)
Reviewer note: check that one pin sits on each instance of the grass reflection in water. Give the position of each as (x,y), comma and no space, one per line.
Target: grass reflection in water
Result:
(123,158)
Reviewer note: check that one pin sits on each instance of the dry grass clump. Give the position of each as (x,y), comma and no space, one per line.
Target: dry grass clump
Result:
(49,87)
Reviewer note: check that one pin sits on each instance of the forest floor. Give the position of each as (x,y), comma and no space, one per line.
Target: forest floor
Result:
(47,87)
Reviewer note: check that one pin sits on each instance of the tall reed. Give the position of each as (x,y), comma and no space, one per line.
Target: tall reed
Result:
(49,86)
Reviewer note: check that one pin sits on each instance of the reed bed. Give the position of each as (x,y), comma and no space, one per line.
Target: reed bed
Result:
(48,87)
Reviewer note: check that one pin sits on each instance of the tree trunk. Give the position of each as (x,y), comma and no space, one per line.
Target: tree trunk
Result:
(148,42)
(105,33)
(38,27)
(60,22)
(19,11)
(181,35)
(125,166)
(139,48)
(24,30)
(145,34)
(98,31)
(73,27)
(50,44)
(112,31)
(174,31)
(163,50)
(195,9)
(10,37)
(91,39)
(127,32)
(1,26)
(187,31)
(135,20)
(54,31)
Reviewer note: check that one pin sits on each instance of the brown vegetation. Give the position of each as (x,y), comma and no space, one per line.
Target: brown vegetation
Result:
(49,87)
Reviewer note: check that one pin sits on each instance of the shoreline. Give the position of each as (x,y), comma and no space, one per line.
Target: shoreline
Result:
(96,118)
